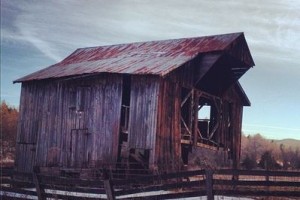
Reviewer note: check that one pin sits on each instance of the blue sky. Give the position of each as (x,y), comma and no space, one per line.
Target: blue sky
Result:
(36,34)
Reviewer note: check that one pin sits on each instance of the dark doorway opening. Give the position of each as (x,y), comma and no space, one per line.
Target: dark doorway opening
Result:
(125,111)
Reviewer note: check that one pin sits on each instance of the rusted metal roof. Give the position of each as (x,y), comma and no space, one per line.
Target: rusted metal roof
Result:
(155,57)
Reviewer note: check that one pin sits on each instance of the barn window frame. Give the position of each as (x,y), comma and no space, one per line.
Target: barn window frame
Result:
(77,98)
(212,123)
(192,127)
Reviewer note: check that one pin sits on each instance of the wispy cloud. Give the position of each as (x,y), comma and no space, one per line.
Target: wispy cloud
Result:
(272,132)
(271,127)
(56,27)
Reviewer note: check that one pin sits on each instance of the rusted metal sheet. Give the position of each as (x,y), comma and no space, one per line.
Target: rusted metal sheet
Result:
(155,57)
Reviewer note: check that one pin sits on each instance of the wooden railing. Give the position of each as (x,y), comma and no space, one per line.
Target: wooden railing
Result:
(182,184)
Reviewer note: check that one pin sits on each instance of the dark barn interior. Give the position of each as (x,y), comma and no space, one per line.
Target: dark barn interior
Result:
(147,103)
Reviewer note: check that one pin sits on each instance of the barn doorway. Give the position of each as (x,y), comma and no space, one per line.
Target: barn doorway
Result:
(123,150)
(78,147)
(78,107)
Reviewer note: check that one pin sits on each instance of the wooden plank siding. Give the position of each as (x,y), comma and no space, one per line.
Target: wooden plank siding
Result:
(105,112)
(69,133)
(143,112)
(235,111)
(28,126)
(168,145)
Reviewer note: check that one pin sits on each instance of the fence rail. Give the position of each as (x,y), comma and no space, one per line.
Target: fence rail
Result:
(182,184)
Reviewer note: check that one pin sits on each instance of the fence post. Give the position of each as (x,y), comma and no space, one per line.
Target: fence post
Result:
(108,186)
(39,190)
(235,178)
(209,184)
(267,175)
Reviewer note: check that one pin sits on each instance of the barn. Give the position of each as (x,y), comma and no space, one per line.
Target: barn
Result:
(146,102)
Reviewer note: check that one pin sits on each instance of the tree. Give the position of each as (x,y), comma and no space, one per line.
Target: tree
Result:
(253,146)
(8,122)
(8,129)
(297,160)
(267,161)
(249,163)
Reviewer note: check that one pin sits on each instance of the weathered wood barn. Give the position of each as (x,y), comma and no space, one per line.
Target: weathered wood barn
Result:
(138,102)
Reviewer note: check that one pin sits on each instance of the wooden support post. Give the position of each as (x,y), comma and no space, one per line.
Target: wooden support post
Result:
(235,178)
(267,175)
(209,184)
(191,115)
(39,190)
(109,189)
(108,186)
(195,109)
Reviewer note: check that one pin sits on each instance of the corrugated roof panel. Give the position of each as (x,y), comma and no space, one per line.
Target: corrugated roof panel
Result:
(155,57)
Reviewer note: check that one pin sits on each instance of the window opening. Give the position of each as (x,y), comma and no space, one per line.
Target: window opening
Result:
(73,95)
(125,104)
(78,105)
(204,115)
(78,98)
(208,120)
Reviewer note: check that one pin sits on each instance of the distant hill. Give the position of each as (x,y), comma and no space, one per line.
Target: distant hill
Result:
(293,143)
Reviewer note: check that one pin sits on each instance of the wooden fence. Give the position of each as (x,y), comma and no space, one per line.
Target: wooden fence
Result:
(183,184)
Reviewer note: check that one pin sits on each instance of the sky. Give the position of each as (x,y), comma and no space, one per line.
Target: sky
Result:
(36,34)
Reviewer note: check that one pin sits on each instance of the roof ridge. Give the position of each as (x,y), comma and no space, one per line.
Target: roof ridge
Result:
(163,40)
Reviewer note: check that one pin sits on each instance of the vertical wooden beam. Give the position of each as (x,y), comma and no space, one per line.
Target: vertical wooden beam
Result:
(195,110)
(108,186)
(239,136)
(209,184)
(235,177)
(267,173)
(39,191)
(191,114)
(109,189)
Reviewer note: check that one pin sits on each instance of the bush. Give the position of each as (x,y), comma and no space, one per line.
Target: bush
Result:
(267,161)
(8,127)
(249,163)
